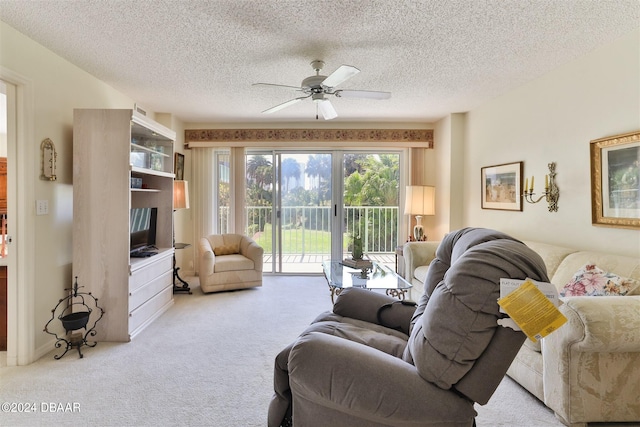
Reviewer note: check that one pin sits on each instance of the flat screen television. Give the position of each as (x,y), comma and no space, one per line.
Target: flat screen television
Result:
(142,229)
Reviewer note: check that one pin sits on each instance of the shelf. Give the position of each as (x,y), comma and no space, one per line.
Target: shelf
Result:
(136,147)
(145,171)
(146,190)
(138,263)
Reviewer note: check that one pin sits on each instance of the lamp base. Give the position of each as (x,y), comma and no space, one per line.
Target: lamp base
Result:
(418,233)
(418,230)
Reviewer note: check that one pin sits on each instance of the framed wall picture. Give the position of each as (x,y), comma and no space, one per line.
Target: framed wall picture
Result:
(502,186)
(179,166)
(615,181)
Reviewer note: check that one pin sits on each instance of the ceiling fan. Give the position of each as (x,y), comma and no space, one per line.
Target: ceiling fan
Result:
(319,87)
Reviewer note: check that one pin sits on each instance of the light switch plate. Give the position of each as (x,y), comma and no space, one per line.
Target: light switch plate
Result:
(42,207)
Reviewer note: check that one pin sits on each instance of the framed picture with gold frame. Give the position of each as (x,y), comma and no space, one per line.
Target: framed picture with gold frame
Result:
(502,186)
(615,181)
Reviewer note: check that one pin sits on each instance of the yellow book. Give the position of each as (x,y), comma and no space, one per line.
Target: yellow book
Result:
(532,311)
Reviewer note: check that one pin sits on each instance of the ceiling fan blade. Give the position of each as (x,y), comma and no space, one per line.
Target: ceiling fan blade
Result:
(342,74)
(284,105)
(327,110)
(273,84)
(366,94)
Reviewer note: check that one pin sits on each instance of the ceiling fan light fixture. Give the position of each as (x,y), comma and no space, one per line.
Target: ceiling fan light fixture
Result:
(327,110)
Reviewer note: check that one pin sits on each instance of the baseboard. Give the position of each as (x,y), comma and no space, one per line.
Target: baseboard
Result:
(45,349)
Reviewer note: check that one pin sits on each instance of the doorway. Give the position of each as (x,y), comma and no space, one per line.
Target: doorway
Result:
(18,116)
(8,110)
(3,217)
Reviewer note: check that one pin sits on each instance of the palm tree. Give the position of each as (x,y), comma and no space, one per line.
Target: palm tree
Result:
(259,174)
(290,169)
(319,165)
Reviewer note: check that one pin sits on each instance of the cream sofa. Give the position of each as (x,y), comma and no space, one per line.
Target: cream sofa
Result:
(589,369)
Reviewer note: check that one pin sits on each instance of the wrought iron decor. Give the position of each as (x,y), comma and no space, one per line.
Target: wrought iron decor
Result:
(84,304)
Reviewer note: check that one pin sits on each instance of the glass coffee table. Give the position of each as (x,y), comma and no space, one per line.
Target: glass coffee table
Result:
(340,276)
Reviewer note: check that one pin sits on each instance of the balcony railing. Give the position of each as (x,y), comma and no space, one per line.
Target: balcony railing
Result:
(306,229)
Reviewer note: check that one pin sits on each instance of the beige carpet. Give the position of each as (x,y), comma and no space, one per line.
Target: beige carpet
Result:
(206,362)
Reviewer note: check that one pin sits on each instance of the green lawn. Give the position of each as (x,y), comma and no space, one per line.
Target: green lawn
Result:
(298,241)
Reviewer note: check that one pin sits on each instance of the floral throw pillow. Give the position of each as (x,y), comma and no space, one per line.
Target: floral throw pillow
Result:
(592,281)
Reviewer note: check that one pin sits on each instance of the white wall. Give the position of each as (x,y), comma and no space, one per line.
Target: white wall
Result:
(553,119)
(183,218)
(449,162)
(58,87)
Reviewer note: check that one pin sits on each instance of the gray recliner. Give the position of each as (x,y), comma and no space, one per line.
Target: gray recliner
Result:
(375,361)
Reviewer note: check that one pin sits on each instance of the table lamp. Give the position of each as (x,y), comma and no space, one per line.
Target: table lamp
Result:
(419,201)
(180,201)
(180,195)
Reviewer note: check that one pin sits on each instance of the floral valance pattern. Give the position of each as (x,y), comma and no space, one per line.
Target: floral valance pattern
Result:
(422,136)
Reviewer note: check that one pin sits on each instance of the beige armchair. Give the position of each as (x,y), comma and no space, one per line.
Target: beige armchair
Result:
(417,257)
(229,261)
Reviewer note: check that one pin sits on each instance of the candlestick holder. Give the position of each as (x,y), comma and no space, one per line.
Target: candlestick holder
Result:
(551,192)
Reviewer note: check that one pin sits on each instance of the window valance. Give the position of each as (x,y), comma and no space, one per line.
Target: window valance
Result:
(195,138)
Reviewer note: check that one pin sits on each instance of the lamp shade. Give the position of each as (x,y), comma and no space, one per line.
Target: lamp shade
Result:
(420,200)
(180,194)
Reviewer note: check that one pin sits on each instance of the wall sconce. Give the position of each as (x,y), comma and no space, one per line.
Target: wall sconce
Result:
(551,191)
(48,165)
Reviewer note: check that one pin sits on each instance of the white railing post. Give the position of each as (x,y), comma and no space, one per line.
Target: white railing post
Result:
(375,240)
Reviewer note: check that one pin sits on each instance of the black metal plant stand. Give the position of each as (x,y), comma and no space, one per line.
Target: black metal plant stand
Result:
(74,320)
(185,286)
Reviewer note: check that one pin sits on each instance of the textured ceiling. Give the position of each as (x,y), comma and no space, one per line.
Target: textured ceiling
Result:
(198,59)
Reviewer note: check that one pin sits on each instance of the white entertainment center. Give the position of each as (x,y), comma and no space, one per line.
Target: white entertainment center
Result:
(110,147)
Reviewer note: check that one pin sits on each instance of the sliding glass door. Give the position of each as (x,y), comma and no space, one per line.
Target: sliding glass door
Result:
(304,207)
(371,198)
(289,208)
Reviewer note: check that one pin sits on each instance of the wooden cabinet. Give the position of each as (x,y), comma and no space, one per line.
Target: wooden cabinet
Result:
(110,147)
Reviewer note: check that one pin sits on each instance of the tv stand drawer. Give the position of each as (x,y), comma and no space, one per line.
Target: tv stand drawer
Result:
(149,290)
(155,267)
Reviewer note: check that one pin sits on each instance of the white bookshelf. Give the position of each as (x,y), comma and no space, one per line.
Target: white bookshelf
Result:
(109,148)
